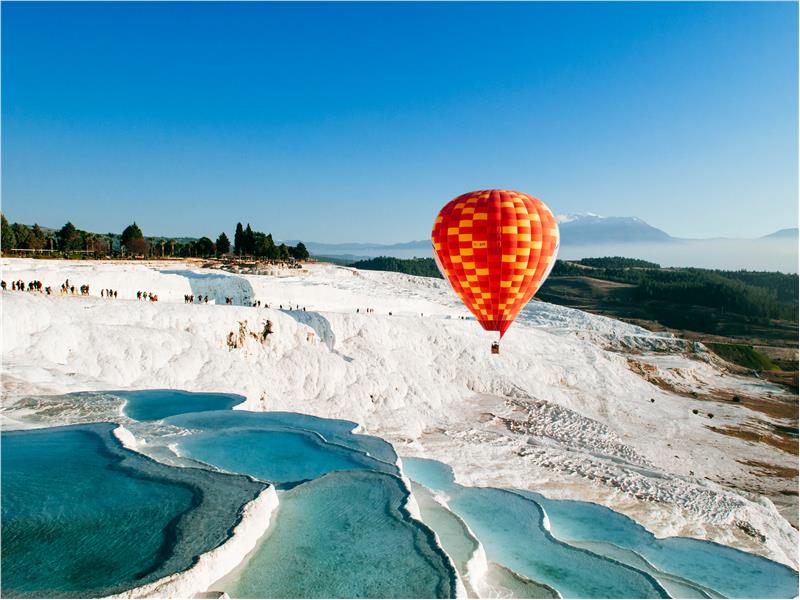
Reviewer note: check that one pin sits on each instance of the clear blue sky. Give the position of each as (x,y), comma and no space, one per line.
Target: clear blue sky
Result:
(357,122)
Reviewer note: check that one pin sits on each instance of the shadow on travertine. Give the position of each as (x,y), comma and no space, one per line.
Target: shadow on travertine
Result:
(217,286)
(321,326)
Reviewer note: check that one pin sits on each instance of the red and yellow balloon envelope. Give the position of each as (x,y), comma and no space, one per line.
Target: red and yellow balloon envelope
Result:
(496,247)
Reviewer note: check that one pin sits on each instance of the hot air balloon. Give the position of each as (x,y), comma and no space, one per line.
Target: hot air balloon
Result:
(496,248)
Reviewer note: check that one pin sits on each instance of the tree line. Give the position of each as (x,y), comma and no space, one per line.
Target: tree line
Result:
(752,293)
(247,242)
(132,242)
(424,267)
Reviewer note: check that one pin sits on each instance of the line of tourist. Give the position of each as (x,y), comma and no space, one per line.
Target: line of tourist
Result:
(32,286)
(19,286)
(68,289)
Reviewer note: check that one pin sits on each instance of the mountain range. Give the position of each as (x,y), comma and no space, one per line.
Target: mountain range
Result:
(583,230)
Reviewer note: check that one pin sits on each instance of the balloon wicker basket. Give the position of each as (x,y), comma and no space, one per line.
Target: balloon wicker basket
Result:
(495,347)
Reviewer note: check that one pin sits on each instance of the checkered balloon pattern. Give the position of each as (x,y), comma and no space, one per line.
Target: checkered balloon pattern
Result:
(496,247)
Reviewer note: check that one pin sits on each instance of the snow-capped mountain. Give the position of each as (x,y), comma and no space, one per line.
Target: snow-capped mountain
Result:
(588,228)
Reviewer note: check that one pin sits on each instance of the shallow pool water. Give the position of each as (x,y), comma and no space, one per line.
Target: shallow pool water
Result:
(332,431)
(81,516)
(686,568)
(512,532)
(453,533)
(345,535)
(281,457)
(731,572)
(341,528)
(152,405)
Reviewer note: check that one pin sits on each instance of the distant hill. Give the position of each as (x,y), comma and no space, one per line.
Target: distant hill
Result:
(782,234)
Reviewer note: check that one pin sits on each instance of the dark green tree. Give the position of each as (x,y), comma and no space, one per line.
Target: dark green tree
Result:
(37,240)
(238,240)
(223,244)
(22,234)
(264,245)
(131,232)
(204,247)
(68,238)
(7,238)
(283,252)
(133,239)
(300,252)
(249,241)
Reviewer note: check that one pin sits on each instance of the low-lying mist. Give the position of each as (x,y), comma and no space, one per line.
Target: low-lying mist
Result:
(752,255)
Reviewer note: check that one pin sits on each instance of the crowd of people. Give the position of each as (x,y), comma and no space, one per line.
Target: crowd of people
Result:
(107,293)
(147,296)
(190,299)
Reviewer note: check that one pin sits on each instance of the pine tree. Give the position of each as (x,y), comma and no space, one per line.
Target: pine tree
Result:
(133,239)
(249,241)
(223,244)
(271,249)
(238,240)
(131,232)
(300,252)
(22,233)
(68,238)
(7,238)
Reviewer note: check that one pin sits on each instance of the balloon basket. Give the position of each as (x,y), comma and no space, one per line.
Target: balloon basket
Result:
(495,347)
